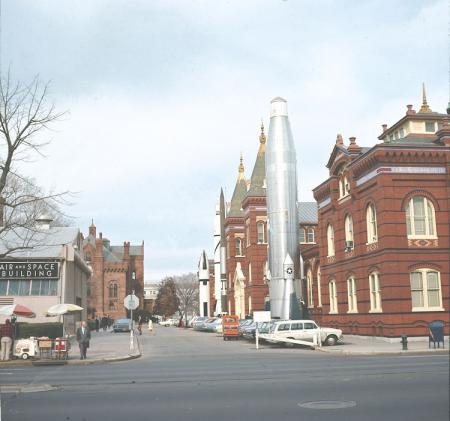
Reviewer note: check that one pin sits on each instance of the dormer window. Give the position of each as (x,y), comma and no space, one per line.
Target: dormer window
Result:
(402,133)
(344,186)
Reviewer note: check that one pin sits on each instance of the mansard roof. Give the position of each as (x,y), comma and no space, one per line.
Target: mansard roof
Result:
(307,213)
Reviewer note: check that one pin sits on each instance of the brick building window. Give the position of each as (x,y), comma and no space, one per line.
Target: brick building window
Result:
(330,240)
(310,235)
(302,233)
(249,273)
(247,232)
(351,293)
(309,286)
(375,293)
(319,289)
(426,290)
(349,244)
(113,288)
(333,297)
(371,221)
(261,233)
(344,186)
(238,249)
(420,220)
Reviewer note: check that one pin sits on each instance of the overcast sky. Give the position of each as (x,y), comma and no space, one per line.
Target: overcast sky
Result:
(163,95)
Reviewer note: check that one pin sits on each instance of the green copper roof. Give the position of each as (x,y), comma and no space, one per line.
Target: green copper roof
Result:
(257,182)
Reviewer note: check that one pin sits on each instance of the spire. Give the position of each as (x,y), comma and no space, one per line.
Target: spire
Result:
(241,168)
(424,108)
(262,136)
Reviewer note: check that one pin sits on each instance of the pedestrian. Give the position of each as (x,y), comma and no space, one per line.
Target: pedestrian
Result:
(104,323)
(6,333)
(97,324)
(140,325)
(83,338)
(150,325)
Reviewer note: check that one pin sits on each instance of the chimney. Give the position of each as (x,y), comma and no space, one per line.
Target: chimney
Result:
(339,140)
(43,222)
(384,126)
(444,133)
(410,110)
(353,147)
(126,250)
(100,236)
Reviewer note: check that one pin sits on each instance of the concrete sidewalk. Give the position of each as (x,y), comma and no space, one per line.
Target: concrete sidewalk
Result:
(105,346)
(367,345)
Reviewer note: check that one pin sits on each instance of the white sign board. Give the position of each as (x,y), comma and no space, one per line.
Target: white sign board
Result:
(262,316)
(131,302)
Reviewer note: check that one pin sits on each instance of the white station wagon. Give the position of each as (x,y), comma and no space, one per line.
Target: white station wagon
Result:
(305,330)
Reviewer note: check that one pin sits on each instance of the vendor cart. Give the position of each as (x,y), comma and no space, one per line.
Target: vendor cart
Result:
(61,348)
(26,348)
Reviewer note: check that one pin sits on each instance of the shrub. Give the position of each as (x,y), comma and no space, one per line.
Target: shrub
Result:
(52,330)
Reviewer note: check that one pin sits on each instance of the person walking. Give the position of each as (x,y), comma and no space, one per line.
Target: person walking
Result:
(83,338)
(6,333)
(97,324)
(150,325)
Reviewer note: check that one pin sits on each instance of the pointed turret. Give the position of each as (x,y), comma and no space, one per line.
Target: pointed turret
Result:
(258,179)
(239,193)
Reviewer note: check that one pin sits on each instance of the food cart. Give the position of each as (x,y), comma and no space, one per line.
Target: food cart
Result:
(54,348)
(26,348)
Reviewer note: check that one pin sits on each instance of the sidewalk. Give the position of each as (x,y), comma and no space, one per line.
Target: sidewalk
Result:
(366,345)
(104,347)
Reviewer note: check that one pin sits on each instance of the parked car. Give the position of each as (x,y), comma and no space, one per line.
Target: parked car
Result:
(202,324)
(305,330)
(169,322)
(243,324)
(196,319)
(122,325)
(214,325)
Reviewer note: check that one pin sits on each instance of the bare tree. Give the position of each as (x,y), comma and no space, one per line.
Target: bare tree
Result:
(25,116)
(166,303)
(187,292)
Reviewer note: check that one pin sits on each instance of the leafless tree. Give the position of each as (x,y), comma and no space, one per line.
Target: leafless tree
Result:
(187,292)
(25,118)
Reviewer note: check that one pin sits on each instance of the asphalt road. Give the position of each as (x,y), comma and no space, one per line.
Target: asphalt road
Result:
(185,375)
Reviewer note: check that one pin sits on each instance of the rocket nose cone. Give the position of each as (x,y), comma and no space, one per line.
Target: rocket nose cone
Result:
(279,107)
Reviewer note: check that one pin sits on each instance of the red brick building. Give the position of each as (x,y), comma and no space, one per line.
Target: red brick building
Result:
(117,270)
(382,265)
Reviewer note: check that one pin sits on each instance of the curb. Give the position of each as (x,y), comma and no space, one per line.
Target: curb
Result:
(388,353)
(29,363)
(21,388)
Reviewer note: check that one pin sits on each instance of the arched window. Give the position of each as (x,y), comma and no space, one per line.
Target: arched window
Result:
(238,247)
(261,234)
(352,299)
(348,233)
(344,186)
(247,232)
(426,290)
(375,293)
(302,233)
(420,220)
(113,288)
(330,240)
(333,297)
(371,221)
(309,284)
(310,233)
(319,289)
(249,273)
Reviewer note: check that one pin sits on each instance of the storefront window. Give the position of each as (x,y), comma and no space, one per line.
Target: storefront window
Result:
(13,288)
(3,287)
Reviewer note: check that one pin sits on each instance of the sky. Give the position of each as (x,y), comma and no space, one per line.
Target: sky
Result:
(162,97)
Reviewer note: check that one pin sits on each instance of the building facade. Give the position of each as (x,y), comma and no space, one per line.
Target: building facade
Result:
(51,270)
(382,265)
(116,272)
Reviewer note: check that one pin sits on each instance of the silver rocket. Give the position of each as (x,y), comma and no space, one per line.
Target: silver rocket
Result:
(220,276)
(203,288)
(281,181)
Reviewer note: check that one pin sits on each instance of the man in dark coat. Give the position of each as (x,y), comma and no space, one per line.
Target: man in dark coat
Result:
(83,338)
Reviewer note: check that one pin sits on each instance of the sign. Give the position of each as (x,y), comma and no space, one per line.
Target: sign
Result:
(262,316)
(29,270)
(131,302)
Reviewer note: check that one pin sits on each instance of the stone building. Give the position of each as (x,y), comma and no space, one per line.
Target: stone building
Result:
(382,265)
(116,272)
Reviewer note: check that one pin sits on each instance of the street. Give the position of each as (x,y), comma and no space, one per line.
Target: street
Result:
(187,375)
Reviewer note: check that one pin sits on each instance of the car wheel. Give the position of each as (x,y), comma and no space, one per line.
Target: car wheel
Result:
(24,356)
(331,340)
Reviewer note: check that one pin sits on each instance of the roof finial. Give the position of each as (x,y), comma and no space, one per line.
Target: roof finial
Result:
(262,136)
(241,164)
(424,108)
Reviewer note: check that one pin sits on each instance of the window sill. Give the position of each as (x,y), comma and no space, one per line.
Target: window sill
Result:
(422,237)
(333,312)
(428,309)
(372,242)
(376,311)
(352,312)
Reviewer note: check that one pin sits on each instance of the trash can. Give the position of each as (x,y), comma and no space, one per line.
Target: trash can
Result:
(436,333)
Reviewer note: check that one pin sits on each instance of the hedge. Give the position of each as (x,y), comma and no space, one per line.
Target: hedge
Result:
(52,330)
